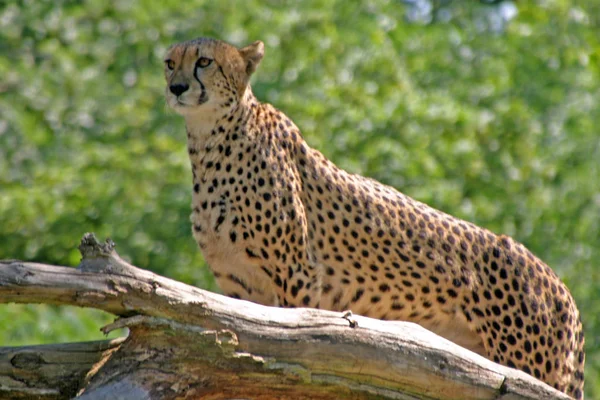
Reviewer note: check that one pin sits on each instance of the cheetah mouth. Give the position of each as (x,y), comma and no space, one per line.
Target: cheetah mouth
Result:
(203,98)
(179,103)
(185,103)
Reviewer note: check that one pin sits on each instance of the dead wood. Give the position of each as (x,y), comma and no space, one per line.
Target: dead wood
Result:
(187,343)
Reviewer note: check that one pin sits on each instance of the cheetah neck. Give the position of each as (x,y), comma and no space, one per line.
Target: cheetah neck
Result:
(214,120)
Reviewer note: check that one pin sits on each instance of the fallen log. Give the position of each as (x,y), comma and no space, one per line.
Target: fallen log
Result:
(185,342)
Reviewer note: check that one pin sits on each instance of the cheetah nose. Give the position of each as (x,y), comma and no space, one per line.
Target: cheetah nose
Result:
(178,89)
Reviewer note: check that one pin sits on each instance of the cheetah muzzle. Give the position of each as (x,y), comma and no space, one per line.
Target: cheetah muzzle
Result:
(281,225)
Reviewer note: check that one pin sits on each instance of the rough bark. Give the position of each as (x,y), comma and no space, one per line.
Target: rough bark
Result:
(187,343)
(50,371)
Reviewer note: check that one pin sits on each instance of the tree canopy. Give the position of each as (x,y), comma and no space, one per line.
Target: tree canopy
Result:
(486,110)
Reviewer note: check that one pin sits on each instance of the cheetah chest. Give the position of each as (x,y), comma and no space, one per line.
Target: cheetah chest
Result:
(211,216)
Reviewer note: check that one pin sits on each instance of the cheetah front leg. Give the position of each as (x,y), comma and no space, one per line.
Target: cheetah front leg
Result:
(237,276)
(298,284)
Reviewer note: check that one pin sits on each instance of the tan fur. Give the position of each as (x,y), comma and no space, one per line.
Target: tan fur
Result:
(281,225)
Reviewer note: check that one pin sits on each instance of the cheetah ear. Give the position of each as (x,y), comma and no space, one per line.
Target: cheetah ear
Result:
(252,54)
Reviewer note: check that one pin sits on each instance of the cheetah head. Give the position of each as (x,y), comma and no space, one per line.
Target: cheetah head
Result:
(204,75)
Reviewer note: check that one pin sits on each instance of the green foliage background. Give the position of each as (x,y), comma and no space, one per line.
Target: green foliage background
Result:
(497,126)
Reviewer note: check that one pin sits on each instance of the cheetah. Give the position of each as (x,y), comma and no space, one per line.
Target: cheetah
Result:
(279,224)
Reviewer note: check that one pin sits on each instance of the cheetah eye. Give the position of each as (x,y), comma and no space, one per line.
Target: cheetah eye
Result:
(170,64)
(203,62)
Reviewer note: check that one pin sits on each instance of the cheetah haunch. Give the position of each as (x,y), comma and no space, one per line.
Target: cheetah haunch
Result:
(281,225)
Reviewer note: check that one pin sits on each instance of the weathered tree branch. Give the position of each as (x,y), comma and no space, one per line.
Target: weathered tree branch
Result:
(50,371)
(185,342)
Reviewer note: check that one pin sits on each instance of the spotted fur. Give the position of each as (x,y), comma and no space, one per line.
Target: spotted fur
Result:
(281,225)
